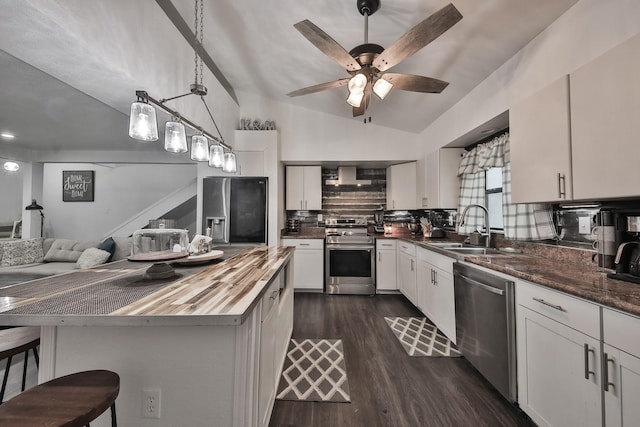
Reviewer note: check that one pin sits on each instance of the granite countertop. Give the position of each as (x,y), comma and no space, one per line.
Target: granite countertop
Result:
(219,293)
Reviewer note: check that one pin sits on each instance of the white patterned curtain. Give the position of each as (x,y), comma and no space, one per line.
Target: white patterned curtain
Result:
(521,221)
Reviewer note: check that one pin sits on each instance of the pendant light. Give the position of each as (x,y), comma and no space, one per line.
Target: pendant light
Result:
(199,148)
(175,136)
(216,156)
(143,125)
(229,163)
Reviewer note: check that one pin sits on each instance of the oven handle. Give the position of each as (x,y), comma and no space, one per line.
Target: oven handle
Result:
(343,246)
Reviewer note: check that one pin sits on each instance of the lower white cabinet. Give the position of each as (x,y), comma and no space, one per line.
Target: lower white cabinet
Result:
(435,290)
(308,263)
(267,382)
(386,263)
(559,361)
(407,271)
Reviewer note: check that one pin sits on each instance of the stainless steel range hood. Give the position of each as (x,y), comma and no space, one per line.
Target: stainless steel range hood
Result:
(347,176)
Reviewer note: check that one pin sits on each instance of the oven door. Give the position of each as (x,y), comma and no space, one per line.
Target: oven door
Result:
(350,268)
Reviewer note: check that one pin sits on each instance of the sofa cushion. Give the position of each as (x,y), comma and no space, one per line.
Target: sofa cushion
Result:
(20,252)
(46,244)
(92,257)
(65,250)
(123,248)
(108,245)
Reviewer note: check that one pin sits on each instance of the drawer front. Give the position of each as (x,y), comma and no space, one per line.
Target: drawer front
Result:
(271,297)
(304,243)
(389,244)
(578,314)
(622,331)
(407,248)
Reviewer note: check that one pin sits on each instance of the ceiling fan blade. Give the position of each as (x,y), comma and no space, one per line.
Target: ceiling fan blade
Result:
(415,83)
(327,45)
(359,111)
(418,37)
(319,87)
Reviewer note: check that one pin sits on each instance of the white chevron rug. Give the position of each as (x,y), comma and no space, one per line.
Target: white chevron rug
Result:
(420,338)
(314,370)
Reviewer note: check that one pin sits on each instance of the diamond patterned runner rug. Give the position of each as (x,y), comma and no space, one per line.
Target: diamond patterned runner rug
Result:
(420,338)
(314,370)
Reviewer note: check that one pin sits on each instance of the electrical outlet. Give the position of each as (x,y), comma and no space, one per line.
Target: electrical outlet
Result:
(584,225)
(151,403)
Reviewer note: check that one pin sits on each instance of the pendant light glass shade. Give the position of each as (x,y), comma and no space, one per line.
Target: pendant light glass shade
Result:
(143,125)
(216,156)
(382,88)
(199,148)
(229,163)
(175,137)
(355,99)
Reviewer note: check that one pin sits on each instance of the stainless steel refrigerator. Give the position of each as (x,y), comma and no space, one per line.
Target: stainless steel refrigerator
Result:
(235,210)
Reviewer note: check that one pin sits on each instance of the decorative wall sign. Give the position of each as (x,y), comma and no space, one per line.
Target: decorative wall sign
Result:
(77,186)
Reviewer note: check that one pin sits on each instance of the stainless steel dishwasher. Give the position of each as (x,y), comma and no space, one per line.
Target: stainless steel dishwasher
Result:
(485,326)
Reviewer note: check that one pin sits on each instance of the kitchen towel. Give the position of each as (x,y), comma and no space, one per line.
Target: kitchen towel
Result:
(314,370)
(420,338)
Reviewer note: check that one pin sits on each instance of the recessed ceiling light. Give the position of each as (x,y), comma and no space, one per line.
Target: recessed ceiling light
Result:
(11,166)
(6,135)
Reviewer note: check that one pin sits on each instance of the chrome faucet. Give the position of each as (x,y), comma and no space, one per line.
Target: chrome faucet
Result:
(486,221)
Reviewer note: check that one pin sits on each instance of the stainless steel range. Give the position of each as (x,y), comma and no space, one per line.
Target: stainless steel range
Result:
(349,257)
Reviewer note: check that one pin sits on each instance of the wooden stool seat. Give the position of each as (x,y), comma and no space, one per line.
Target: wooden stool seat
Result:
(14,341)
(70,401)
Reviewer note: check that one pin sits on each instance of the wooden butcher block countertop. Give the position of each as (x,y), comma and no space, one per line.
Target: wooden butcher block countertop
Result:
(219,293)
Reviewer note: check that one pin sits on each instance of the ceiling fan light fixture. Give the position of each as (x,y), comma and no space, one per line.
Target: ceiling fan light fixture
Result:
(216,156)
(175,137)
(357,83)
(382,88)
(199,148)
(355,99)
(143,124)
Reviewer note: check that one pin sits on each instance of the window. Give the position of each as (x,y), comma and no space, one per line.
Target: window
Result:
(493,197)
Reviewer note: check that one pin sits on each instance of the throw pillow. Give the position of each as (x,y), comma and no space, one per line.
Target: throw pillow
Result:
(65,250)
(92,257)
(123,248)
(108,245)
(21,252)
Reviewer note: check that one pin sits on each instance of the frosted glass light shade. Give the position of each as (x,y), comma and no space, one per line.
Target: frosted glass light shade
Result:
(216,156)
(175,137)
(199,148)
(357,83)
(355,99)
(382,88)
(143,125)
(229,163)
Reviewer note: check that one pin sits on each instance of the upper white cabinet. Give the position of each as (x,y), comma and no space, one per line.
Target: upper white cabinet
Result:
(304,188)
(605,124)
(540,140)
(438,182)
(401,186)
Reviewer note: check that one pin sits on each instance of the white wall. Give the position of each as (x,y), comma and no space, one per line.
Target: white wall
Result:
(10,195)
(584,32)
(121,191)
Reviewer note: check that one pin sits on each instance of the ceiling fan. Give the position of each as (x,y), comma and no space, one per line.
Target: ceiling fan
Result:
(367,63)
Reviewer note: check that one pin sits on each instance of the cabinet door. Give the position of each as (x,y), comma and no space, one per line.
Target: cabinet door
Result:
(267,378)
(553,361)
(442,182)
(427,291)
(312,188)
(308,269)
(622,389)
(446,303)
(605,107)
(250,163)
(386,270)
(407,277)
(295,188)
(540,141)
(401,186)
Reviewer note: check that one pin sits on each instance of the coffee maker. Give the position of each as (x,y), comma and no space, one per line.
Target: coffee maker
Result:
(627,236)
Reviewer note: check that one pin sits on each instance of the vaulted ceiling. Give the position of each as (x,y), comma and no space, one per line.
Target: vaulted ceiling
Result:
(257,50)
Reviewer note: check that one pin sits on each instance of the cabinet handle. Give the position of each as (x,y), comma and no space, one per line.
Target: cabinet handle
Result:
(305,204)
(548,304)
(301,205)
(605,368)
(411,265)
(432,279)
(274,294)
(379,256)
(304,244)
(388,245)
(435,277)
(562,186)
(587,372)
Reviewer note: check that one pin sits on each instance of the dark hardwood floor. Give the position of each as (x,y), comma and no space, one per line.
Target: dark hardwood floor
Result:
(389,388)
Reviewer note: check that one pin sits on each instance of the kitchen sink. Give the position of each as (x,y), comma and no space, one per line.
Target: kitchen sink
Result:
(474,251)
(446,245)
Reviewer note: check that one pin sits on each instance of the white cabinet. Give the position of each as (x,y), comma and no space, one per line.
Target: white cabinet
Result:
(267,379)
(559,364)
(401,186)
(605,107)
(436,298)
(407,271)
(250,163)
(304,188)
(540,140)
(308,263)
(439,184)
(386,262)
(621,368)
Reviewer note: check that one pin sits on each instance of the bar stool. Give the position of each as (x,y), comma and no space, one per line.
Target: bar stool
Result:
(70,401)
(14,341)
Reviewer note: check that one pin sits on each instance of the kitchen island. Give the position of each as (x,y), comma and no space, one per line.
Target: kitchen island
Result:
(211,341)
